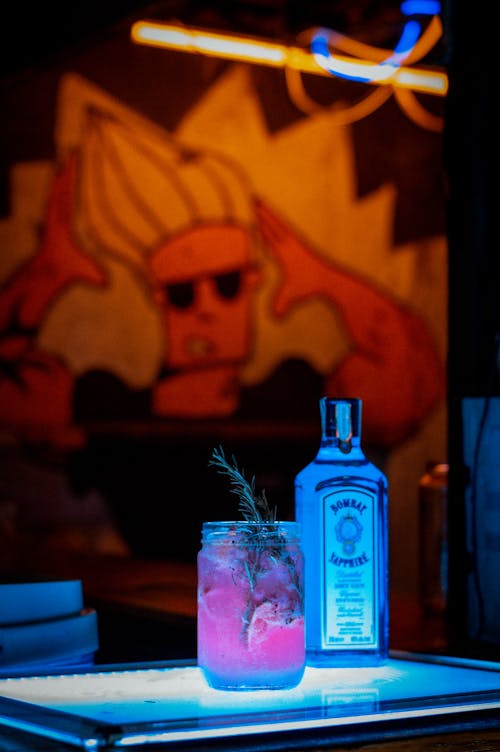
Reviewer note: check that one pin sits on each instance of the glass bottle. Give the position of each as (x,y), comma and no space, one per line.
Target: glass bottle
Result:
(251,605)
(341,503)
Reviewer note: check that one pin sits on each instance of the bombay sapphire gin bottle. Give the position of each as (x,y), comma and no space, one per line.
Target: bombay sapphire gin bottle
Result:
(341,504)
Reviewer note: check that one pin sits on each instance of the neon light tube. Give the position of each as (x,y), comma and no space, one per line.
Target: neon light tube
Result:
(420,7)
(226,46)
(217,45)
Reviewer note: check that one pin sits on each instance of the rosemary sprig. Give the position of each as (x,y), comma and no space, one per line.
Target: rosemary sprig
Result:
(252,506)
(266,543)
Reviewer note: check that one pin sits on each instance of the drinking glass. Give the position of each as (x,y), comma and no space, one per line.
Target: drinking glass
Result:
(251,605)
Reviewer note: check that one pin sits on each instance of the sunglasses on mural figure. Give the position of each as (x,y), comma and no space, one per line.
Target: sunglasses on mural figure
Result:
(182,295)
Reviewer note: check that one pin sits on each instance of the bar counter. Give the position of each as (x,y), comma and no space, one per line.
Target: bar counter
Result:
(462,741)
(147,613)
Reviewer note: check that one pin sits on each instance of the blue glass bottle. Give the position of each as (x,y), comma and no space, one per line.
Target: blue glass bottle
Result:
(341,502)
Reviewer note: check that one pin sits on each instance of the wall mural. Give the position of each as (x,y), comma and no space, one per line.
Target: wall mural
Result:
(216,271)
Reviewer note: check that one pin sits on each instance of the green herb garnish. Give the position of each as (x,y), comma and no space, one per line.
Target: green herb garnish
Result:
(253,506)
(265,541)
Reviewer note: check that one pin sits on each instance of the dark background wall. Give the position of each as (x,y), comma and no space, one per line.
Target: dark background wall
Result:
(43,35)
(471,160)
(49,33)
(48,30)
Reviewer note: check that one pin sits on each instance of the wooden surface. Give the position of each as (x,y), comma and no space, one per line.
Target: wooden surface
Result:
(167,590)
(165,587)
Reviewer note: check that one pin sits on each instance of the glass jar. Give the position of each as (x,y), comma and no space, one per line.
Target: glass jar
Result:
(433,539)
(251,605)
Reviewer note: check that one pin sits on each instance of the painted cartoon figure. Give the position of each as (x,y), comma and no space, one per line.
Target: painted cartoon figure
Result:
(393,363)
(36,385)
(203,283)
(196,252)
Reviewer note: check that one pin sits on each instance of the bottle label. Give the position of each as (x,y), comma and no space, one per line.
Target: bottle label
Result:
(349,604)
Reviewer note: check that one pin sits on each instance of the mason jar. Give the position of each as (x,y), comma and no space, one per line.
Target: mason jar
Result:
(251,605)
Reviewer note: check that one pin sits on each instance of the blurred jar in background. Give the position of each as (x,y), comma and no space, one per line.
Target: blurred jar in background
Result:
(433,539)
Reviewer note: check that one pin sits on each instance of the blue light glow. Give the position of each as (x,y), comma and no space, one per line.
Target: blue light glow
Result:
(58,735)
(362,70)
(409,37)
(175,703)
(420,7)
(367,72)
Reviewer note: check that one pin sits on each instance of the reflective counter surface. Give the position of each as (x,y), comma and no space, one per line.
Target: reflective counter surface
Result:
(169,704)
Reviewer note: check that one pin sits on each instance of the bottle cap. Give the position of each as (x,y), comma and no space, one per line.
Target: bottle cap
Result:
(341,419)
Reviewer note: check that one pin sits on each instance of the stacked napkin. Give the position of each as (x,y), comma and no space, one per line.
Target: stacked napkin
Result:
(45,627)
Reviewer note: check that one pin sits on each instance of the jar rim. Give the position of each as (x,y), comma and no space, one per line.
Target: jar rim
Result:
(219,529)
(287,524)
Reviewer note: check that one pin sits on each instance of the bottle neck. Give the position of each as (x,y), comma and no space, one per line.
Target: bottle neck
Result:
(341,427)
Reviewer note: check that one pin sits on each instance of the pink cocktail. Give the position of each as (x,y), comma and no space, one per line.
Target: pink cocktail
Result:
(250,605)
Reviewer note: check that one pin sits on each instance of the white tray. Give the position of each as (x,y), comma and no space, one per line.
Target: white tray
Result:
(169,703)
